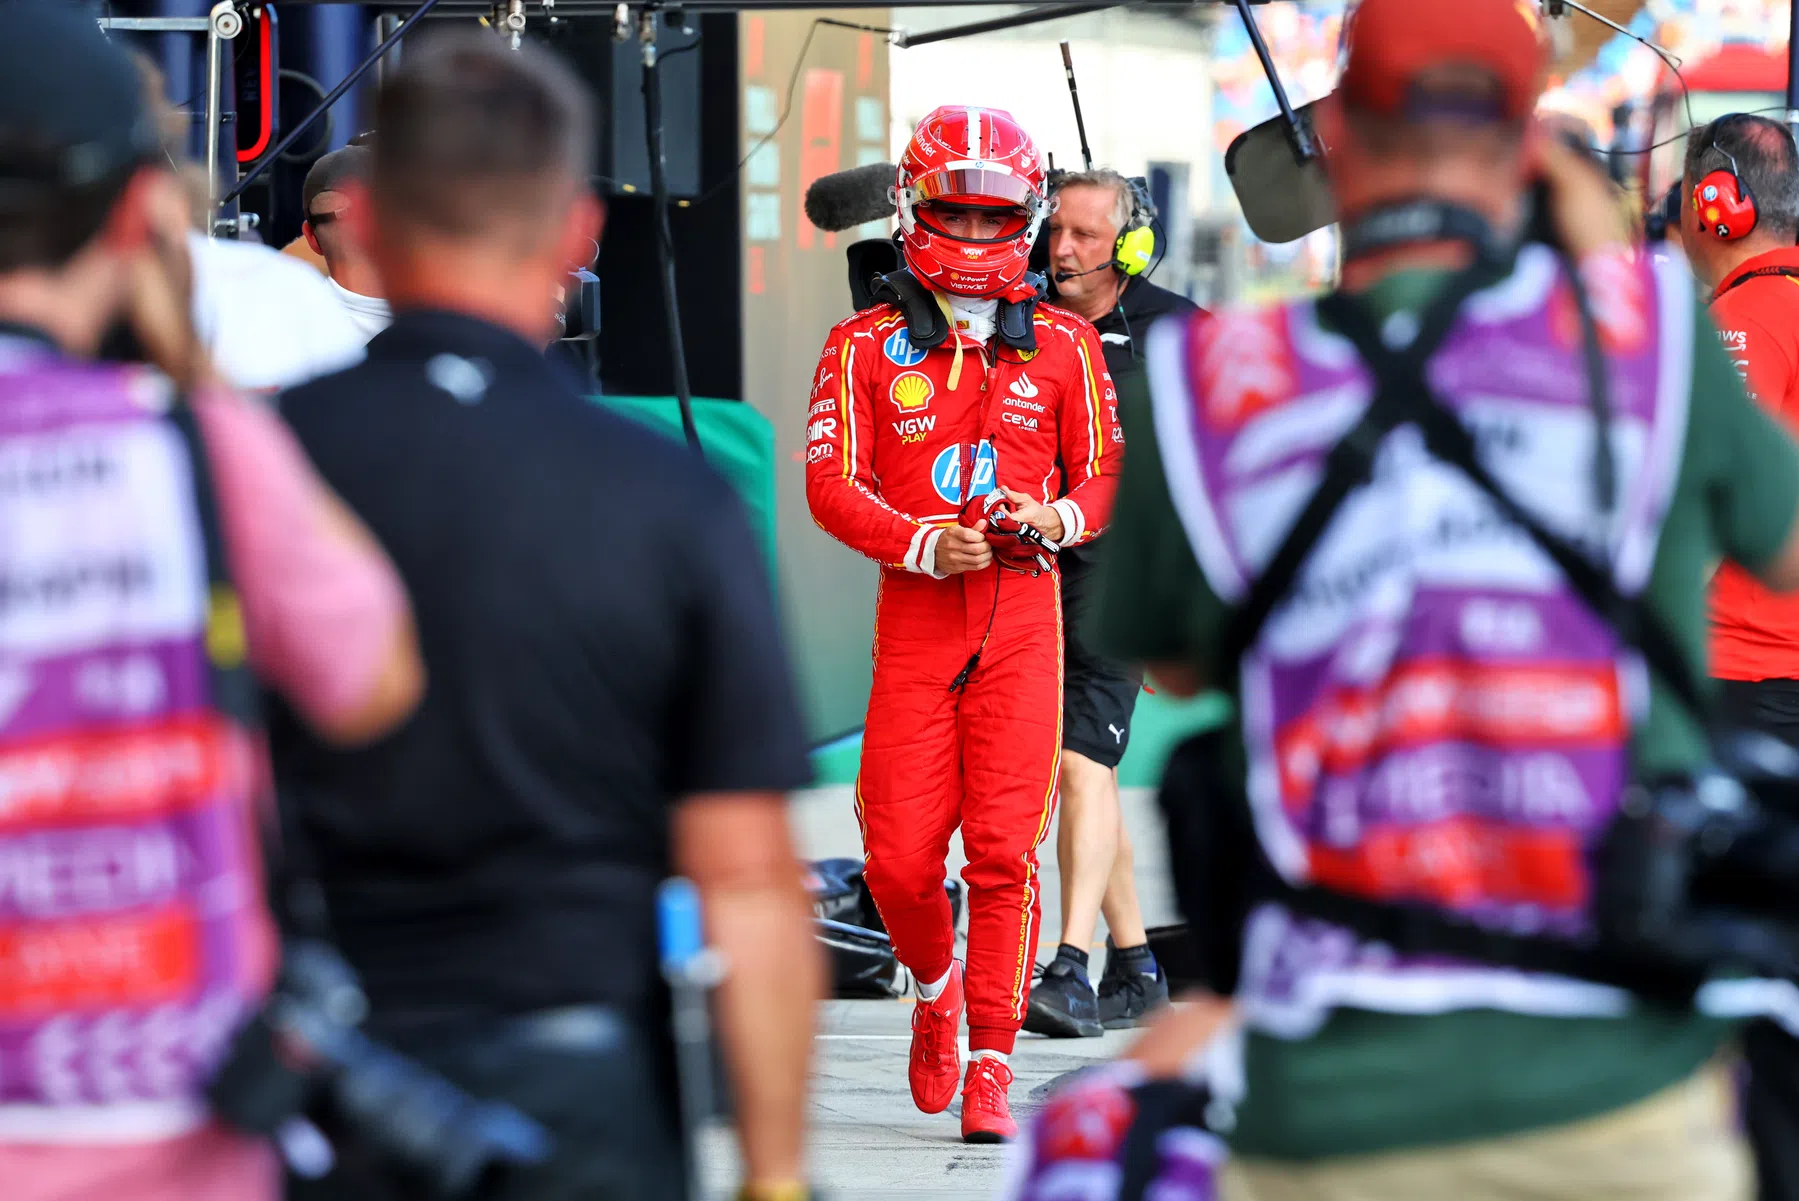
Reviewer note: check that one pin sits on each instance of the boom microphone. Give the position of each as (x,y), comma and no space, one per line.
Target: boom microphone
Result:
(1063,277)
(850,198)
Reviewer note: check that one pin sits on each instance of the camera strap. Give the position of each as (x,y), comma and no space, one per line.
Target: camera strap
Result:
(231,685)
(294,895)
(1402,376)
(1347,467)
(1403,394)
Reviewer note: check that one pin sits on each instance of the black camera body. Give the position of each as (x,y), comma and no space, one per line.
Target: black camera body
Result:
(306,1052)
(1701,874)
(580,316)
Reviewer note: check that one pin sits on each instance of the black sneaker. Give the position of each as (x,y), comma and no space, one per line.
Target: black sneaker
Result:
(1127,996)
(1063,1004)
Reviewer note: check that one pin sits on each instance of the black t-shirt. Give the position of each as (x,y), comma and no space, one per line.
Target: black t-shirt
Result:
(1121,331)
(1121,335)
(600,639)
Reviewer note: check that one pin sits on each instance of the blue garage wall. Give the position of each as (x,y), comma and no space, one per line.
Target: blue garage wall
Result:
(326,41)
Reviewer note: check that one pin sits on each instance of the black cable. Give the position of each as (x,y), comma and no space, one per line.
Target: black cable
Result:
(1155,223)
(1074,94)
(1675,137)
(793,81)
(974,660)
(1672,60)
(1686,97)
(343,85)
(881,29)
(680,50)
(1605,470)
(665,244)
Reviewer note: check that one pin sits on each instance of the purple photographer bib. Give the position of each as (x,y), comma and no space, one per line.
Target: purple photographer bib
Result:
(1432,714)
(130,894)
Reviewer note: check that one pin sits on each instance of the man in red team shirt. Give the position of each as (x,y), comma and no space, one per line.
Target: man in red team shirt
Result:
(1742,183)
(1741,221)
(961,410)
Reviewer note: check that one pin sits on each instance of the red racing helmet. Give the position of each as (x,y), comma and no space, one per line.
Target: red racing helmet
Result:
(973,158)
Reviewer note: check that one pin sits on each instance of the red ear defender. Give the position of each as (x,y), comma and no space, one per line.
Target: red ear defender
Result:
(1725,206)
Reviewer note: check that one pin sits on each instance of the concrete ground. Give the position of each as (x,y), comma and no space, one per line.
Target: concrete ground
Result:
(868,1141)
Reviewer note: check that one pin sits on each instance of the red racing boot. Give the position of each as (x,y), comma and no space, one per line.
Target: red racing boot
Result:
(986,1115)
(936,1058)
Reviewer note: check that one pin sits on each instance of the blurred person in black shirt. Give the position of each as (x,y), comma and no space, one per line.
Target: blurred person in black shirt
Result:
(1094,210)
(609,699)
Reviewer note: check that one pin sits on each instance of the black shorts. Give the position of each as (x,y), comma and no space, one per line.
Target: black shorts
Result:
(1098,694)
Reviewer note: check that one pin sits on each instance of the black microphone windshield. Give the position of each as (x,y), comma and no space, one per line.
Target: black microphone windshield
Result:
(1063,277)
(850,198)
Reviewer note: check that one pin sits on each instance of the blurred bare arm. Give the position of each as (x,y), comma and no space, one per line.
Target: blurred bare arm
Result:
(738,850)
(396,690)
(328,620)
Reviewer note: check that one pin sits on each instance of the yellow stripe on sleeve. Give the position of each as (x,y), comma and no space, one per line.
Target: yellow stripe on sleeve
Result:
(1094,434)
(846,403)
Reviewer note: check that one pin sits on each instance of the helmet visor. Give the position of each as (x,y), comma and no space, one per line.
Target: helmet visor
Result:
(975,186)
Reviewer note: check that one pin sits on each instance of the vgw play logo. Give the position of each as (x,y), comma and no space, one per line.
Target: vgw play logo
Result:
(946,472)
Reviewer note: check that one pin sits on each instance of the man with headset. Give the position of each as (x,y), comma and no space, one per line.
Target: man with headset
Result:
(1742,184)
(1100,244)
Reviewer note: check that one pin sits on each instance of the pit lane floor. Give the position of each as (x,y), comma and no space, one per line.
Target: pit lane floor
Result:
(868,1142)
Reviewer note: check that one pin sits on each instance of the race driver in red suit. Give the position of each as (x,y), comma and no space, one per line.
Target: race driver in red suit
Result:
(938,421)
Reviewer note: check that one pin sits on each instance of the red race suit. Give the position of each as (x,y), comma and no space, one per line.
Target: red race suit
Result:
(887,440)
(1755,632)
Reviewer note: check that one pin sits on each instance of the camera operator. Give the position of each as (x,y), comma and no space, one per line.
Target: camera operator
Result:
(157,528)
(1408,654)
(1738,229)
(1097,269)
(335,184)
(609,701)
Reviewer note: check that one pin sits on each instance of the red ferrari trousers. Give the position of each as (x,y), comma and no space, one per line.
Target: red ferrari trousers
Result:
(984,758)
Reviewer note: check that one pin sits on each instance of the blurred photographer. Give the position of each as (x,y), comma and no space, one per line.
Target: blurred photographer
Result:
(1427,529)
(162,539)
(609,698)
(1100,235)
(1738,227)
